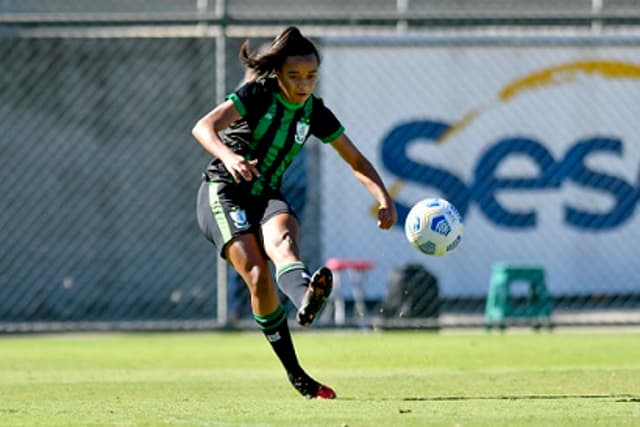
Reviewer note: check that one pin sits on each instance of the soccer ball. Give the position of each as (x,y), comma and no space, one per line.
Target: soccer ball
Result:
(434,226)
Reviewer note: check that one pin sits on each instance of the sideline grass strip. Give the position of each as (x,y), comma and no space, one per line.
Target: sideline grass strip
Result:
(382,379)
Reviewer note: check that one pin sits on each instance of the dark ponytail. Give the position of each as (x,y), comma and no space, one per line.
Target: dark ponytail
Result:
(290,42)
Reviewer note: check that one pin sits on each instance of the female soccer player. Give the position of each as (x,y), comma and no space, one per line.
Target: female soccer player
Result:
(253,136)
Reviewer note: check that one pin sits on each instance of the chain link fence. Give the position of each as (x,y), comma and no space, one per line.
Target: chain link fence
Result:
(98,169)
(98,175)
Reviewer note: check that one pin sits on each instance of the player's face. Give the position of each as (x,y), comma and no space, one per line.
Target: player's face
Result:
(298,77)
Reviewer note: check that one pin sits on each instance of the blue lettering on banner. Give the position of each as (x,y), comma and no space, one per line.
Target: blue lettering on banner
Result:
(486,185)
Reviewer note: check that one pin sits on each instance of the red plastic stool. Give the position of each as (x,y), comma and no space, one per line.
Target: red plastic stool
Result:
(356,270)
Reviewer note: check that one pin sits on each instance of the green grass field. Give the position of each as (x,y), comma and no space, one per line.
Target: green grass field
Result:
(382,379)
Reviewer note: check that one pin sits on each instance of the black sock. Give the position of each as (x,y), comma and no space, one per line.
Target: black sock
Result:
(293,280)
(276,330)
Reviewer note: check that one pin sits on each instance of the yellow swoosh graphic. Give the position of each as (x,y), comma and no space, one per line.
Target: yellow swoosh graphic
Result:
(547,77)
(567,73)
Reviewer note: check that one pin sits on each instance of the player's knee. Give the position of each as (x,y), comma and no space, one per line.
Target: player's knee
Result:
(285,241)
(282,246)
(256,277)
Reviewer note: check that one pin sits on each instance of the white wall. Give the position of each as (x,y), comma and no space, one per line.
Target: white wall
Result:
(374,89)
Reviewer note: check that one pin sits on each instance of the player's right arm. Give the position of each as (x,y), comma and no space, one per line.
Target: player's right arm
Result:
(206,132)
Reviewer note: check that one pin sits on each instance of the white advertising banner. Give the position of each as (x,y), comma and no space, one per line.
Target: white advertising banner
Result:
(538,147)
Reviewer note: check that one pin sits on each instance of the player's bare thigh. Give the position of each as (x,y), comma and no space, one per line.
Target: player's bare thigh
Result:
(280,236)
(248,259)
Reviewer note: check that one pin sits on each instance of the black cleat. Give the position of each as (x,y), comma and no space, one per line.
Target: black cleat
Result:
(316,297)
(310,388)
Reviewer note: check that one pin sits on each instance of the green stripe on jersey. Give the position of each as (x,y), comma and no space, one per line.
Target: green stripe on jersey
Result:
(283,166)
(308,108)
(265,122)
(278,143)
(237,103)
(218,212)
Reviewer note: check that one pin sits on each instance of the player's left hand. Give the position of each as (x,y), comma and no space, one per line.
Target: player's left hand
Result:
(387,216)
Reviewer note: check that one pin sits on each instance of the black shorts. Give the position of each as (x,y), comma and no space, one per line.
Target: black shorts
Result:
(227,210)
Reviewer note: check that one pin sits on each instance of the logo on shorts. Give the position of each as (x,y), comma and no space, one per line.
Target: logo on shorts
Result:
(302,130)
(239,218)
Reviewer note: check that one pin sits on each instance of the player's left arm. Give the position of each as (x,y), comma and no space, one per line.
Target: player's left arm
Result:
(369,177)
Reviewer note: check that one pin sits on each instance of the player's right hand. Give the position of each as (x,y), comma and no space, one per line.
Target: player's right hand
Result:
(241,168)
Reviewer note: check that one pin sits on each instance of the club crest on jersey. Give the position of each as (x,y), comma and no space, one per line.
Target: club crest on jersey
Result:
(239,218)
(302,130)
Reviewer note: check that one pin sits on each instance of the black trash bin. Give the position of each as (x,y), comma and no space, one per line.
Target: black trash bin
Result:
(412,292)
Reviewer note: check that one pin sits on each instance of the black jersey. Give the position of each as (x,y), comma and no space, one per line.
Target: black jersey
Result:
(272,130)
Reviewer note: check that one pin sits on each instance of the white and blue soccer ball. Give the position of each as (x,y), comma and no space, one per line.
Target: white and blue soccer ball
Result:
(434,226)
